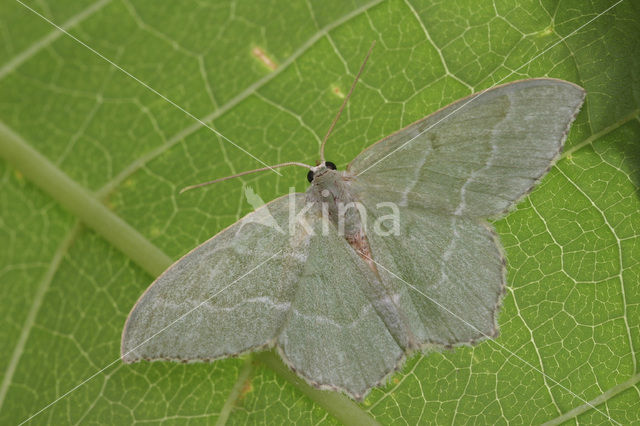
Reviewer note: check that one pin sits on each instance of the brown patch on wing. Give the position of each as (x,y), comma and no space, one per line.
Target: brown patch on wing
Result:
(360,244)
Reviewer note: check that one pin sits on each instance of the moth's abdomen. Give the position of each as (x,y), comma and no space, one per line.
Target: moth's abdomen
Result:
(383,298)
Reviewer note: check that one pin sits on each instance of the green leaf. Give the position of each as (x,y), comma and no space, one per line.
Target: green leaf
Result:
(93,160)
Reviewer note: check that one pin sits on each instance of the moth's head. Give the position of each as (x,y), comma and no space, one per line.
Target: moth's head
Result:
(320,170)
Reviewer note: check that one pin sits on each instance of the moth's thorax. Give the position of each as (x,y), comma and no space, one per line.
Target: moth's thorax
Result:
(331,186)
(334,191)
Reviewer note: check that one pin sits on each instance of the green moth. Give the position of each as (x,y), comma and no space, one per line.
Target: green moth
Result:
(342,301)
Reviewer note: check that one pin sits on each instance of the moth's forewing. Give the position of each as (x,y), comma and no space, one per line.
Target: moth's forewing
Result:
(478,156)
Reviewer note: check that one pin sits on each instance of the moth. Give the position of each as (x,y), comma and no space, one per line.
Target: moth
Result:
(344,302)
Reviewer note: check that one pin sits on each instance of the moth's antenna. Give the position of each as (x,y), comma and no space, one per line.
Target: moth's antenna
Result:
(262,169)
(335,120)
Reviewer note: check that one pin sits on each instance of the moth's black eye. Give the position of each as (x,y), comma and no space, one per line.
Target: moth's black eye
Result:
(330,165)
(310,176)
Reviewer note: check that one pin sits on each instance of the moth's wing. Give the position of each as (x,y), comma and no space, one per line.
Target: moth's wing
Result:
(477,156)
(229,295)
(333,336)
(452,267)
